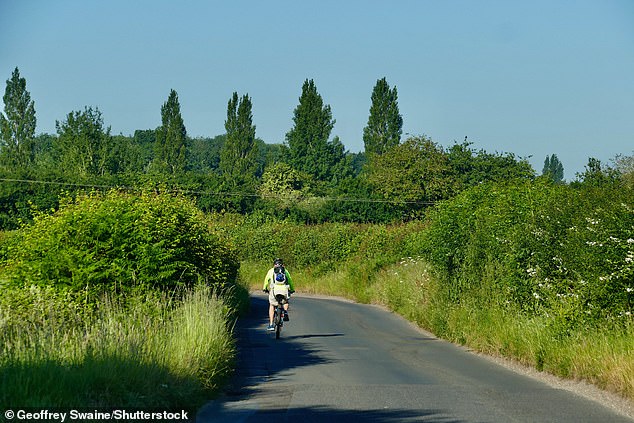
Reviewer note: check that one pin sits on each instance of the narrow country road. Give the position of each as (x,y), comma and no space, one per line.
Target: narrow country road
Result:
(338,361)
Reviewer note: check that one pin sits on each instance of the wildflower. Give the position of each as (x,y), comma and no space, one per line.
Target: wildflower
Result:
(629,289)
(630,241)
(536,295)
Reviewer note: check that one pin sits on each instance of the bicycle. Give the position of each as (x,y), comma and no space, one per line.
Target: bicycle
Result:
(278,316)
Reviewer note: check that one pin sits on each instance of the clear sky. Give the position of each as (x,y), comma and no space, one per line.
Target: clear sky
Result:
(531,78)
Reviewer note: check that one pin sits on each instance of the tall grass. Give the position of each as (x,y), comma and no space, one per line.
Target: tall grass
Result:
(150,352)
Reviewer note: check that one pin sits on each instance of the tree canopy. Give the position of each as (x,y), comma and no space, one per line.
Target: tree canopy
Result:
(553,168)
(238,156)
(385,123)
(17,123)
(171,138)
(308,141)
(311,175)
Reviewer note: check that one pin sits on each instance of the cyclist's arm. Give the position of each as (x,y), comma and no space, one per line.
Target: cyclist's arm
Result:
(290,281)
(267,279)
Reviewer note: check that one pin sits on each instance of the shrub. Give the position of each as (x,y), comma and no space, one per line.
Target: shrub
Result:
(120,242)
(539,247)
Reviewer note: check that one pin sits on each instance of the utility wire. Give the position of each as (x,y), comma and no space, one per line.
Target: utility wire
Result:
(220,193)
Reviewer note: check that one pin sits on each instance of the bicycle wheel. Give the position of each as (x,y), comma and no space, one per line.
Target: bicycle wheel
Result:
(277,321)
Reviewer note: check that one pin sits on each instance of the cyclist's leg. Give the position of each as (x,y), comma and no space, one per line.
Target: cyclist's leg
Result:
(272,304)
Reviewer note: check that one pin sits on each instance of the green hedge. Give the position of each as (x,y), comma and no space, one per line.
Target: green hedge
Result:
(541,247)
(120,242)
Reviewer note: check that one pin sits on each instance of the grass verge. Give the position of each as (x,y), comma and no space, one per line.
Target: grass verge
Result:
(152,352)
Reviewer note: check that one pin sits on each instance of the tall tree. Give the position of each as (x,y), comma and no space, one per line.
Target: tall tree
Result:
(171,138)
(385,123)
(625,166)
(239,155)
(17,123)
(83,147)
(553,168)
(308,144)
(418,170)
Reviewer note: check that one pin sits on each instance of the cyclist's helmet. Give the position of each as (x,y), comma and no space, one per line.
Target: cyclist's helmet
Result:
(278,262)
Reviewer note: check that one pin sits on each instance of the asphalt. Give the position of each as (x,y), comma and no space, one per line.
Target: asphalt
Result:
(338,361)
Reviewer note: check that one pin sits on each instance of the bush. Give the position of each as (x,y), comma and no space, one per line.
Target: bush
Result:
(542,248)
(118,243)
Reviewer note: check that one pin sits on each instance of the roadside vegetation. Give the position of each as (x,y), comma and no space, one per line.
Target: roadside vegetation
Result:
(117,300)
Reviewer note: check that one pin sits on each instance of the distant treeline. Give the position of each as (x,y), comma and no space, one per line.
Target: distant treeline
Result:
(309,178)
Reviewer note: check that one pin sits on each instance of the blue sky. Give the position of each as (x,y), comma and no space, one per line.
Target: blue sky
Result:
(531,78)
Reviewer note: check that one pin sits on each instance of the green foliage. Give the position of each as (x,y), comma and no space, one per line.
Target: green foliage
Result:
(171,138)
(83,147)
(238,157)
(385,123)
(545,249)
(327,245)
(470,168)
(204,154)
(284,187)
(553,168)
(416,171)
(145,352)
(119,243)
(598,175)
(17,124)
(625,166)
(309,148)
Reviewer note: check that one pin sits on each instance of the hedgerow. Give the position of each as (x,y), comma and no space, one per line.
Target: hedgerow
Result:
(119,243)
(543,248)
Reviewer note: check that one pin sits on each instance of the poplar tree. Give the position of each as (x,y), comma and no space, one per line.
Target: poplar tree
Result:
(171,138)
(553,168)
(308,144)
(238,156)
(17,123)
(385,124)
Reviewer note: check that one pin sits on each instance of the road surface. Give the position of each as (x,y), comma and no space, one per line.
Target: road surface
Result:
(339,361)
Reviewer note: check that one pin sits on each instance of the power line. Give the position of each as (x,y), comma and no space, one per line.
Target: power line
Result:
(220,193)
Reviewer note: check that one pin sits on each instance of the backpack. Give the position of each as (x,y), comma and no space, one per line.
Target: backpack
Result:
(280,275)
(280,284)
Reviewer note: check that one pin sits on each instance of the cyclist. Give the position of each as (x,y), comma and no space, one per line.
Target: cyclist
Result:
(277,275)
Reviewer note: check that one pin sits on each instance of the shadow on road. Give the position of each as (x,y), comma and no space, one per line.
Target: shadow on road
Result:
(323,335)
(262,357)
(246,412)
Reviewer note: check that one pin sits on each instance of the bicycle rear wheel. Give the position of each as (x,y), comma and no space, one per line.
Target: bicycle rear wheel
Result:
(277,321)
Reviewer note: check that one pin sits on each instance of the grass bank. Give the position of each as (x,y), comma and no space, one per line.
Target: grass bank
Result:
(150,352)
